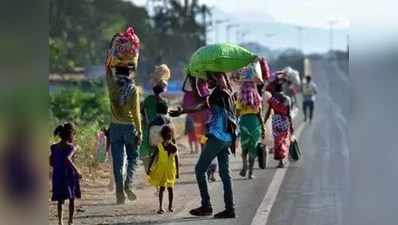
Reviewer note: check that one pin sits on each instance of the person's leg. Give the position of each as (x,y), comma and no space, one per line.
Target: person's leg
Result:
(205,159)
(117,158)
(161,191)
(206,156)
(60,217)
(71,210)
(251,165)
(170,189)
(132,157)
(311,106)
(305,110)
(211,171)
(191,146)
(117,150)
(244,163)
(223,167)
(196,147)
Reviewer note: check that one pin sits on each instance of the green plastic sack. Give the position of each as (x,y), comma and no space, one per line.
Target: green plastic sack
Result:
(219,58)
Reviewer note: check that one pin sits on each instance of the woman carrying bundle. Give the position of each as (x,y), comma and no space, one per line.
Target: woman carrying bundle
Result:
(282,126)
(251,126)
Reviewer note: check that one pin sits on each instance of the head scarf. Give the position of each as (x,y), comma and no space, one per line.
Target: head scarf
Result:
(249,95)
(125,83)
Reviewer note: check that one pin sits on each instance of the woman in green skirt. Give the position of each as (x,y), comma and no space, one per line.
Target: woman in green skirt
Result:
(251,125)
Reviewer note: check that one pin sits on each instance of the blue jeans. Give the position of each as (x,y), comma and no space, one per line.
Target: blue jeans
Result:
(122,136)
(215,148)
(308,105)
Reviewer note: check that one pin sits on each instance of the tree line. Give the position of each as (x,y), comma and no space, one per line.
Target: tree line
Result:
(80,31)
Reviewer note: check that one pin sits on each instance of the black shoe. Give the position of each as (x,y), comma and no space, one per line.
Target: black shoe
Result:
(225,214)
(201,211)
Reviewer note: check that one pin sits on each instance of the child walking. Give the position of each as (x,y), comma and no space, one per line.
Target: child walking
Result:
(166,169)
(65,179)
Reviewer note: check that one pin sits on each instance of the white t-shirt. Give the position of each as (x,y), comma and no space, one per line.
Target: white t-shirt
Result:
(309,91)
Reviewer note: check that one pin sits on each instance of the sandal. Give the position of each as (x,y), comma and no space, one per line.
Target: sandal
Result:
(160,211)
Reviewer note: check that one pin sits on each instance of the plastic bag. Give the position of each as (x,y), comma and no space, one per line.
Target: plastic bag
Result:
(219,58)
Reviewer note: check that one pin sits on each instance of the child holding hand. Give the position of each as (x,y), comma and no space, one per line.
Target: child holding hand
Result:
(165,170)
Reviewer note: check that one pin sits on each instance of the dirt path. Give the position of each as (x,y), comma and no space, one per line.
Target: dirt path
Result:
(98,203)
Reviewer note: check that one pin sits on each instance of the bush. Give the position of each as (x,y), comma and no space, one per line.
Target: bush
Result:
(86,105)
(81,104)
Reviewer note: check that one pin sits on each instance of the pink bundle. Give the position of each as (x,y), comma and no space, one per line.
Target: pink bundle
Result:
(127,43)
(124,49)
(265,71)
(249,95)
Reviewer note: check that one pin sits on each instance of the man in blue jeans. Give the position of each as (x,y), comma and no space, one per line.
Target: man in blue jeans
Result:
(125,129)
(220,139)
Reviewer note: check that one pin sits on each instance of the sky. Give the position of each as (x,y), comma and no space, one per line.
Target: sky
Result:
(314,15)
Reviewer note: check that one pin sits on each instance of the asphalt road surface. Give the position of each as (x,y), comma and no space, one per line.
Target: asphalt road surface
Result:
(314,191)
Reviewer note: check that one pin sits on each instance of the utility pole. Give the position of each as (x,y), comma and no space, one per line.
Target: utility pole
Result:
(228,28)
(331,25)
(300,37)
(215,27)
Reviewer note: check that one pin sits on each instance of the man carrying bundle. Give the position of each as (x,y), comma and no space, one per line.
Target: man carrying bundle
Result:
(125,129)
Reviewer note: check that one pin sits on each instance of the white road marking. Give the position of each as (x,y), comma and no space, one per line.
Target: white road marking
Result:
(264,210)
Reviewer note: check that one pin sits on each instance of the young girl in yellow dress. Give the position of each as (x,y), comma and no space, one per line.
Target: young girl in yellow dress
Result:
(165,170)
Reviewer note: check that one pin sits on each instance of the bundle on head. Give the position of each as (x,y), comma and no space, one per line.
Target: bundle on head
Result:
(124,49)
(249,94)
(160,75)
(265,70)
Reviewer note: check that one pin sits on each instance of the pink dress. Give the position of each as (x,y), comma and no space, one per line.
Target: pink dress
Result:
(280,126)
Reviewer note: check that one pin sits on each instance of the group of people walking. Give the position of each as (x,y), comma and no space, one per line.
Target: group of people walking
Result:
(145,130)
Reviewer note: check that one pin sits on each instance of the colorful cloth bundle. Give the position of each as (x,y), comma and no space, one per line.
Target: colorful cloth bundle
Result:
(124,49)
(265,70)
(252,72)
(249,95)
(161,75)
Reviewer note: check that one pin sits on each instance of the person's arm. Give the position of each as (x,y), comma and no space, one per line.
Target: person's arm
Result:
(267,96)
(267,114)
(290,120)
(177,166)
(179,111)
(155,153)
(70,161)
(259,115)
(137,114)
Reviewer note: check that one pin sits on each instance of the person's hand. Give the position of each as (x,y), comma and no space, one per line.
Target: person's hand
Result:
(79,175)
(292,138)
(148,171)
(263,135)
(176,112)
(177,176)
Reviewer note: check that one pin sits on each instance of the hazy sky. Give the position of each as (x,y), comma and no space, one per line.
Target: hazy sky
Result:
(314,13)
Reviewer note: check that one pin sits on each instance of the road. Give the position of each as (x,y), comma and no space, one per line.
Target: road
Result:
(309,192)
(314,191)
